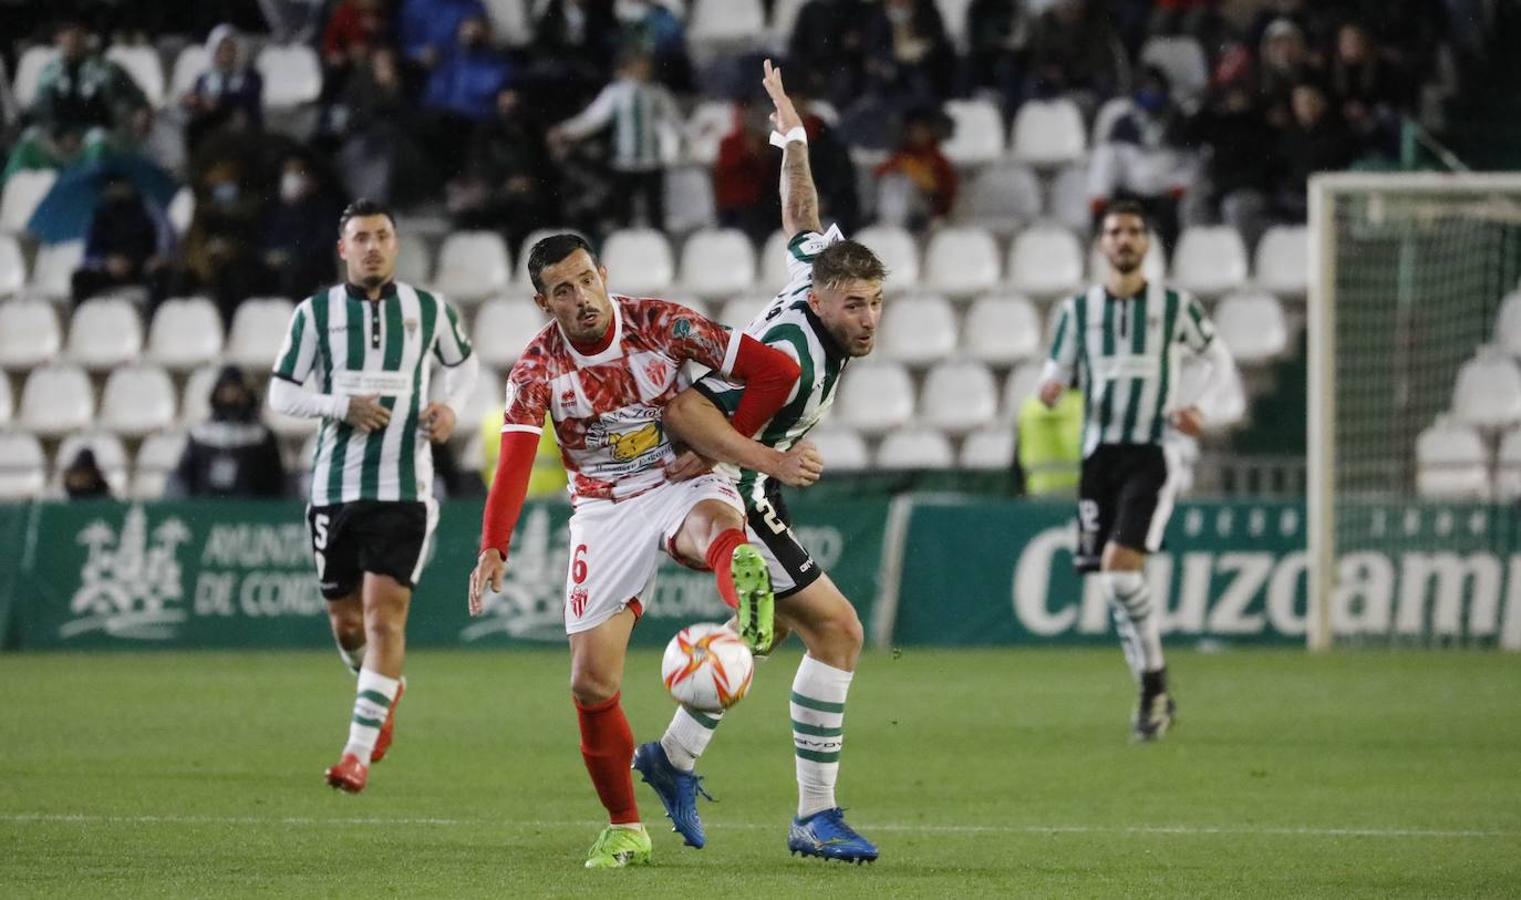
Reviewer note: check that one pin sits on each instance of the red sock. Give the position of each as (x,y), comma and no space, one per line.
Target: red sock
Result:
(719,554)
(607,745)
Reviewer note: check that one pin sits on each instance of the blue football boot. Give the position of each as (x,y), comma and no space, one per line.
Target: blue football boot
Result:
(677,790)
(825,834)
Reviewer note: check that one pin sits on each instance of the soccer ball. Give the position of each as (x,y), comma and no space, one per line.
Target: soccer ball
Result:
(707,667)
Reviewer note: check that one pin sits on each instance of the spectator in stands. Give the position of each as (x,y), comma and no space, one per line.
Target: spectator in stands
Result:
(298,230)
(428,28)
(83,480)
(574,46)
(1074,51)
(1284,60)
(1145,158)
(228,97)
(643,116)
(908,54)
(461,91)
(1316,141)
(1366,85)
(232,454)
(221,250)
(999,31)
(355,30)
(1240,167)
(130,244)
(381,155)
(917,185)
(510,182)
(745,174)
(828,48)
(655,29)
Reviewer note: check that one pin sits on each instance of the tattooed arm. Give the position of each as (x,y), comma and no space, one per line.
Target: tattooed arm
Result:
(800,200)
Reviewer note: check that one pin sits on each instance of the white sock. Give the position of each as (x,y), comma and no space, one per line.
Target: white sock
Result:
(818,732)
(372,704)
(1135,619)
(687,736)
(354,658)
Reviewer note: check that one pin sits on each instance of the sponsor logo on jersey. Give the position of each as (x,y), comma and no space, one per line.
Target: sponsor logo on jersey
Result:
(682,328)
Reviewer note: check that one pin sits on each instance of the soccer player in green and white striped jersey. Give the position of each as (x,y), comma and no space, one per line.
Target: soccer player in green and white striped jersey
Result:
(1123,340)
(825,316)
(367,347)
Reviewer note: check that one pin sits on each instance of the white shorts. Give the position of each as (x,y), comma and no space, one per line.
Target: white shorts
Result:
(615,547)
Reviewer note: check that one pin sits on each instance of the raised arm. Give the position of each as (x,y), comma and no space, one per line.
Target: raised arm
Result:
(800,199)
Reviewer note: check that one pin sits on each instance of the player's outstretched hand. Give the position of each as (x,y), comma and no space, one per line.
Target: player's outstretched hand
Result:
(1050,392)
(687,466)
(1189,421)
(489,568)
(366,414)
(785,118)
(438,421)
(800,466)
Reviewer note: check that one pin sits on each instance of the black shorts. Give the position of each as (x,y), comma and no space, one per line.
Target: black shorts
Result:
(792,567)
(387,537)
(1125,497)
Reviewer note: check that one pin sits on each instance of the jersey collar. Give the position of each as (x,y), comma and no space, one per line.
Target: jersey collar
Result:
(387,290)
(832,350)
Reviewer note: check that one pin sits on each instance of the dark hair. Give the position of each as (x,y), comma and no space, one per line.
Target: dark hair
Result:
(551,250)
(847,261)
(1126,208)
(364,207)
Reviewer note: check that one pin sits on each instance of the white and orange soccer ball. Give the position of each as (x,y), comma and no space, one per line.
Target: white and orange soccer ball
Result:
(707,667)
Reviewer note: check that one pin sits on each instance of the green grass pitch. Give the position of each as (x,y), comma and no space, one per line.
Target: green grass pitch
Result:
(988,773)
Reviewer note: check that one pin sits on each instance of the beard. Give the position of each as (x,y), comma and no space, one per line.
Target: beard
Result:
(372,281)
(1126,264)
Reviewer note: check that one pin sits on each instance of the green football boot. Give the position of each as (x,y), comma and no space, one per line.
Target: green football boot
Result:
(757,602)
(618,847)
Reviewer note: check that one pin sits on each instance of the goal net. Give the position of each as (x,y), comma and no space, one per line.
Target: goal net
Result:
(1414,537)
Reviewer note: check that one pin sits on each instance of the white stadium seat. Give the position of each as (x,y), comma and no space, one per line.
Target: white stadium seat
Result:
(110,456)
(773,262)
(1154,266)
(1508,467)
(23,191)
(156,460)
(1451,462)
(56,399)
(23,467)
(843,450)
(137,400)
(897,250)
(977,138)
(1210,260)
(292,75)
(726,22)
(783,19)
(195,402)
(511,21)
(1046,261)
(1182,59)
(105,332)
(989,449)
(1253,327)
(961,261)
(472,265)
(1067,199)
(1021,385)
(142,63)
(29,333)
(503,328)
(638,262)
(29,72)
(258,329)
(1048,133)
(1000,198)
(718,262)
(915,448)
(958,397)
(182,210)
(711,121)
(53,269)
(7,401)
(1488,391)
(488,397)
(188,66)
(1508,325)
(877,397)
(689,203)
(522,281)
(954,13)
(1000,330)
(739,312)
(917,331)
(12,266)
(414,264)
(1283,260)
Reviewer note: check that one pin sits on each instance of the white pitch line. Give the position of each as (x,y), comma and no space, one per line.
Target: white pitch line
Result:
(1181,830)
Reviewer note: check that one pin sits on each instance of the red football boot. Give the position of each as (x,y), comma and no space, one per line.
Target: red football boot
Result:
(383,740)
(349,775)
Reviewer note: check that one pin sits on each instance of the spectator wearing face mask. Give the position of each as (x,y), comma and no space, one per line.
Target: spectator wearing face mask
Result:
(83,480)
(221,247)
(461,92)
(129,245)
(298,239)
(232,454)
(1145,158)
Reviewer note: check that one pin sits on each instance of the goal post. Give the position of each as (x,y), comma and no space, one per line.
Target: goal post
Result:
(1407,275)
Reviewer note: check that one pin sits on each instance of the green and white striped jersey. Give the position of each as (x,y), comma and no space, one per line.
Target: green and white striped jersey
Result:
(354,346)
(1125,353)
(791,327)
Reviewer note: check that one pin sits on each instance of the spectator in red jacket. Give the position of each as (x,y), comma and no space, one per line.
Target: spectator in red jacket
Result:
(917,184)
(745,175)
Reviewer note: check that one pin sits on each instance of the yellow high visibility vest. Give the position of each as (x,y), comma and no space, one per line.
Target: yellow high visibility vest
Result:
(548,478)
(1051,444)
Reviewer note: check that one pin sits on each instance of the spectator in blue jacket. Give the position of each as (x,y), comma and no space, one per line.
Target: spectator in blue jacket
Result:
(427,28)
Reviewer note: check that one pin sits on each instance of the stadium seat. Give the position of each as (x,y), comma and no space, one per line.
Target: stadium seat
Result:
(718,262)
(1112,110)
(105,332)
(689,201)
(711,121)
(511,21)
(1451,462)
(156,460)
(23,191)
(110,456)
(29,72)
(1488,391)
(897,250)
(877,397)
(1001,329)
(915,448)
(1507,469)
(488,397)
(1209,260)
(188,66)
(414,264)
(1253,327)
(1508,325)
(258,330)
(182,210)
(7,400)
(726,22)
(23,467)
(472,265)
(1154,266)
(1182,59)
(783,19)
(195,401)
(989,449)
(54,267)
(12,266)
(740,311)
(958,396)
(186,332)
(1283,260)
(917,331)
(137,400)
(977,138)
(521,279)
(142,63)
(843,450)
(1067,199)
(1045,261)
(1000,198)
(954,14)
(292,75)
(56,399)
(638,262)
(1021,385)
(773,262)
(503,328)
(1048,133)
(29,333)
(961,262)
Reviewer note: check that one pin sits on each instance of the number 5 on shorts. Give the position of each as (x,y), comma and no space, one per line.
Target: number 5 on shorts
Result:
(319,540)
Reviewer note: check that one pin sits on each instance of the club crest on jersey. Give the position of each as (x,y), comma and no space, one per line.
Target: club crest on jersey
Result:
(578,601)
(410,325)
(657,371)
